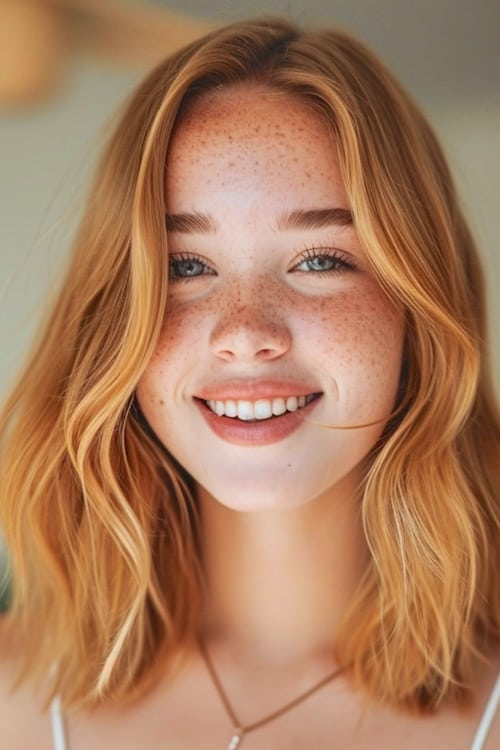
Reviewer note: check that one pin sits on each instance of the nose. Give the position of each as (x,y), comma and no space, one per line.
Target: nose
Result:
(249,333)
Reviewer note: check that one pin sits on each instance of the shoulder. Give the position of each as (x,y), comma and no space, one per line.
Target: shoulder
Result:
(487,724)
(451,726)
(477,725)
(23,723)
(9,648)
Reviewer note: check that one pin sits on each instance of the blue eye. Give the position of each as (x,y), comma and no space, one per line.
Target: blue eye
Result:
(187,267)
(321,260)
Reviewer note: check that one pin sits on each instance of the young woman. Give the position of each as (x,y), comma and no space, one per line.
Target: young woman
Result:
(250,475)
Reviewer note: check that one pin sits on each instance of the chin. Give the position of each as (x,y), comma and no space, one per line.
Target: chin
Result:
(251,498)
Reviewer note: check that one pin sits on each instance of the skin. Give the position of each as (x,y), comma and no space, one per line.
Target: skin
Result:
(283,548)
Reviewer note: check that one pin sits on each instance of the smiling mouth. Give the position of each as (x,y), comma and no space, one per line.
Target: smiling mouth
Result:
(260,409)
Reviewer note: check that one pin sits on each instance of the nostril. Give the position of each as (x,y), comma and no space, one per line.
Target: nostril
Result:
(259,340)
(266,353)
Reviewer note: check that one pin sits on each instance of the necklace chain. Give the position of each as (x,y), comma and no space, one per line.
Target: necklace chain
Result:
(239,729)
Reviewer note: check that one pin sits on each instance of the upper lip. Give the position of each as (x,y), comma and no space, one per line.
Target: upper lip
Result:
(253,390)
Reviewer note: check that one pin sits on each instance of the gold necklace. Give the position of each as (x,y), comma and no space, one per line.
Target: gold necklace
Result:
(239,729)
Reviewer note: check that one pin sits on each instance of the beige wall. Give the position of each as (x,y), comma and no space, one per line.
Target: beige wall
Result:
(46,158)
(471,136)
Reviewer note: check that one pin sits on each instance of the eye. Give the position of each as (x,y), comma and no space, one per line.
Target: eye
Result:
(321,260)
(187,267)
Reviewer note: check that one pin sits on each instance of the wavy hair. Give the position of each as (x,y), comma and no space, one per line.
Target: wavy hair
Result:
(101,523)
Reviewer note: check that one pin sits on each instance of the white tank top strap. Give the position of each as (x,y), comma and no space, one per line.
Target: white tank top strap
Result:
(486,720)
(58,728)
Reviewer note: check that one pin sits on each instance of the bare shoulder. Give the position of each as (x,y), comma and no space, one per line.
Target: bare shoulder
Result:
(481,722)
(488,701)
(22,722)
(449,727)
(462,726)
(9,649)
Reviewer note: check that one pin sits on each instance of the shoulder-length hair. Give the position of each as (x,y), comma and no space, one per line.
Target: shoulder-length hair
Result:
(101,523)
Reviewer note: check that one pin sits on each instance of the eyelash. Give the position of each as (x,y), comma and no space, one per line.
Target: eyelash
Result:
(342,263)
(187,258)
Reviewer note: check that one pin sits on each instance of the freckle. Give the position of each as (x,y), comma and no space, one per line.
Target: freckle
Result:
(162,403)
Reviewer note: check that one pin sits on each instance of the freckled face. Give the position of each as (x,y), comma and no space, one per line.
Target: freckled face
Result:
(261,306)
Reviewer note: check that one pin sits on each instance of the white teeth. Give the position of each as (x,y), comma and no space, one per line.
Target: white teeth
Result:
(263,409)
(231,409)
(279,406)
(245,410)
(249,411)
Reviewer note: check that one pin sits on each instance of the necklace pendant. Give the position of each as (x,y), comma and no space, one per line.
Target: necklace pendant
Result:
(235,739)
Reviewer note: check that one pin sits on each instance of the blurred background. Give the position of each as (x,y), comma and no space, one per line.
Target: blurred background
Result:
(66,65)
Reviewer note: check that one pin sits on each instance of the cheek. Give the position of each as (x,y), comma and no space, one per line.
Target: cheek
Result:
(357,338)
(177,354)
(180,339)
(168,358)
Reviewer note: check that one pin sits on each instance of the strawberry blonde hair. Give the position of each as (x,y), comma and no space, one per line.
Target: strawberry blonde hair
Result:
(101,523)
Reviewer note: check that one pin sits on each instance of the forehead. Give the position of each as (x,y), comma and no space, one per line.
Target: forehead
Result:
(247,103)
(248,130)
(248,113)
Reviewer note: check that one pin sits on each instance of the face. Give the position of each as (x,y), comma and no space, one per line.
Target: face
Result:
(276,331)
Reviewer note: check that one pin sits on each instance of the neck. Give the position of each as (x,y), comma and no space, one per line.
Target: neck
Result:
(279,581)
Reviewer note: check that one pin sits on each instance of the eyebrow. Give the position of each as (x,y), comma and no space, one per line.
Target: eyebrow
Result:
(317,218)
(189,223)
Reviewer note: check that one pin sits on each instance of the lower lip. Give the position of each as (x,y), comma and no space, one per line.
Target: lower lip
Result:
(261,432)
